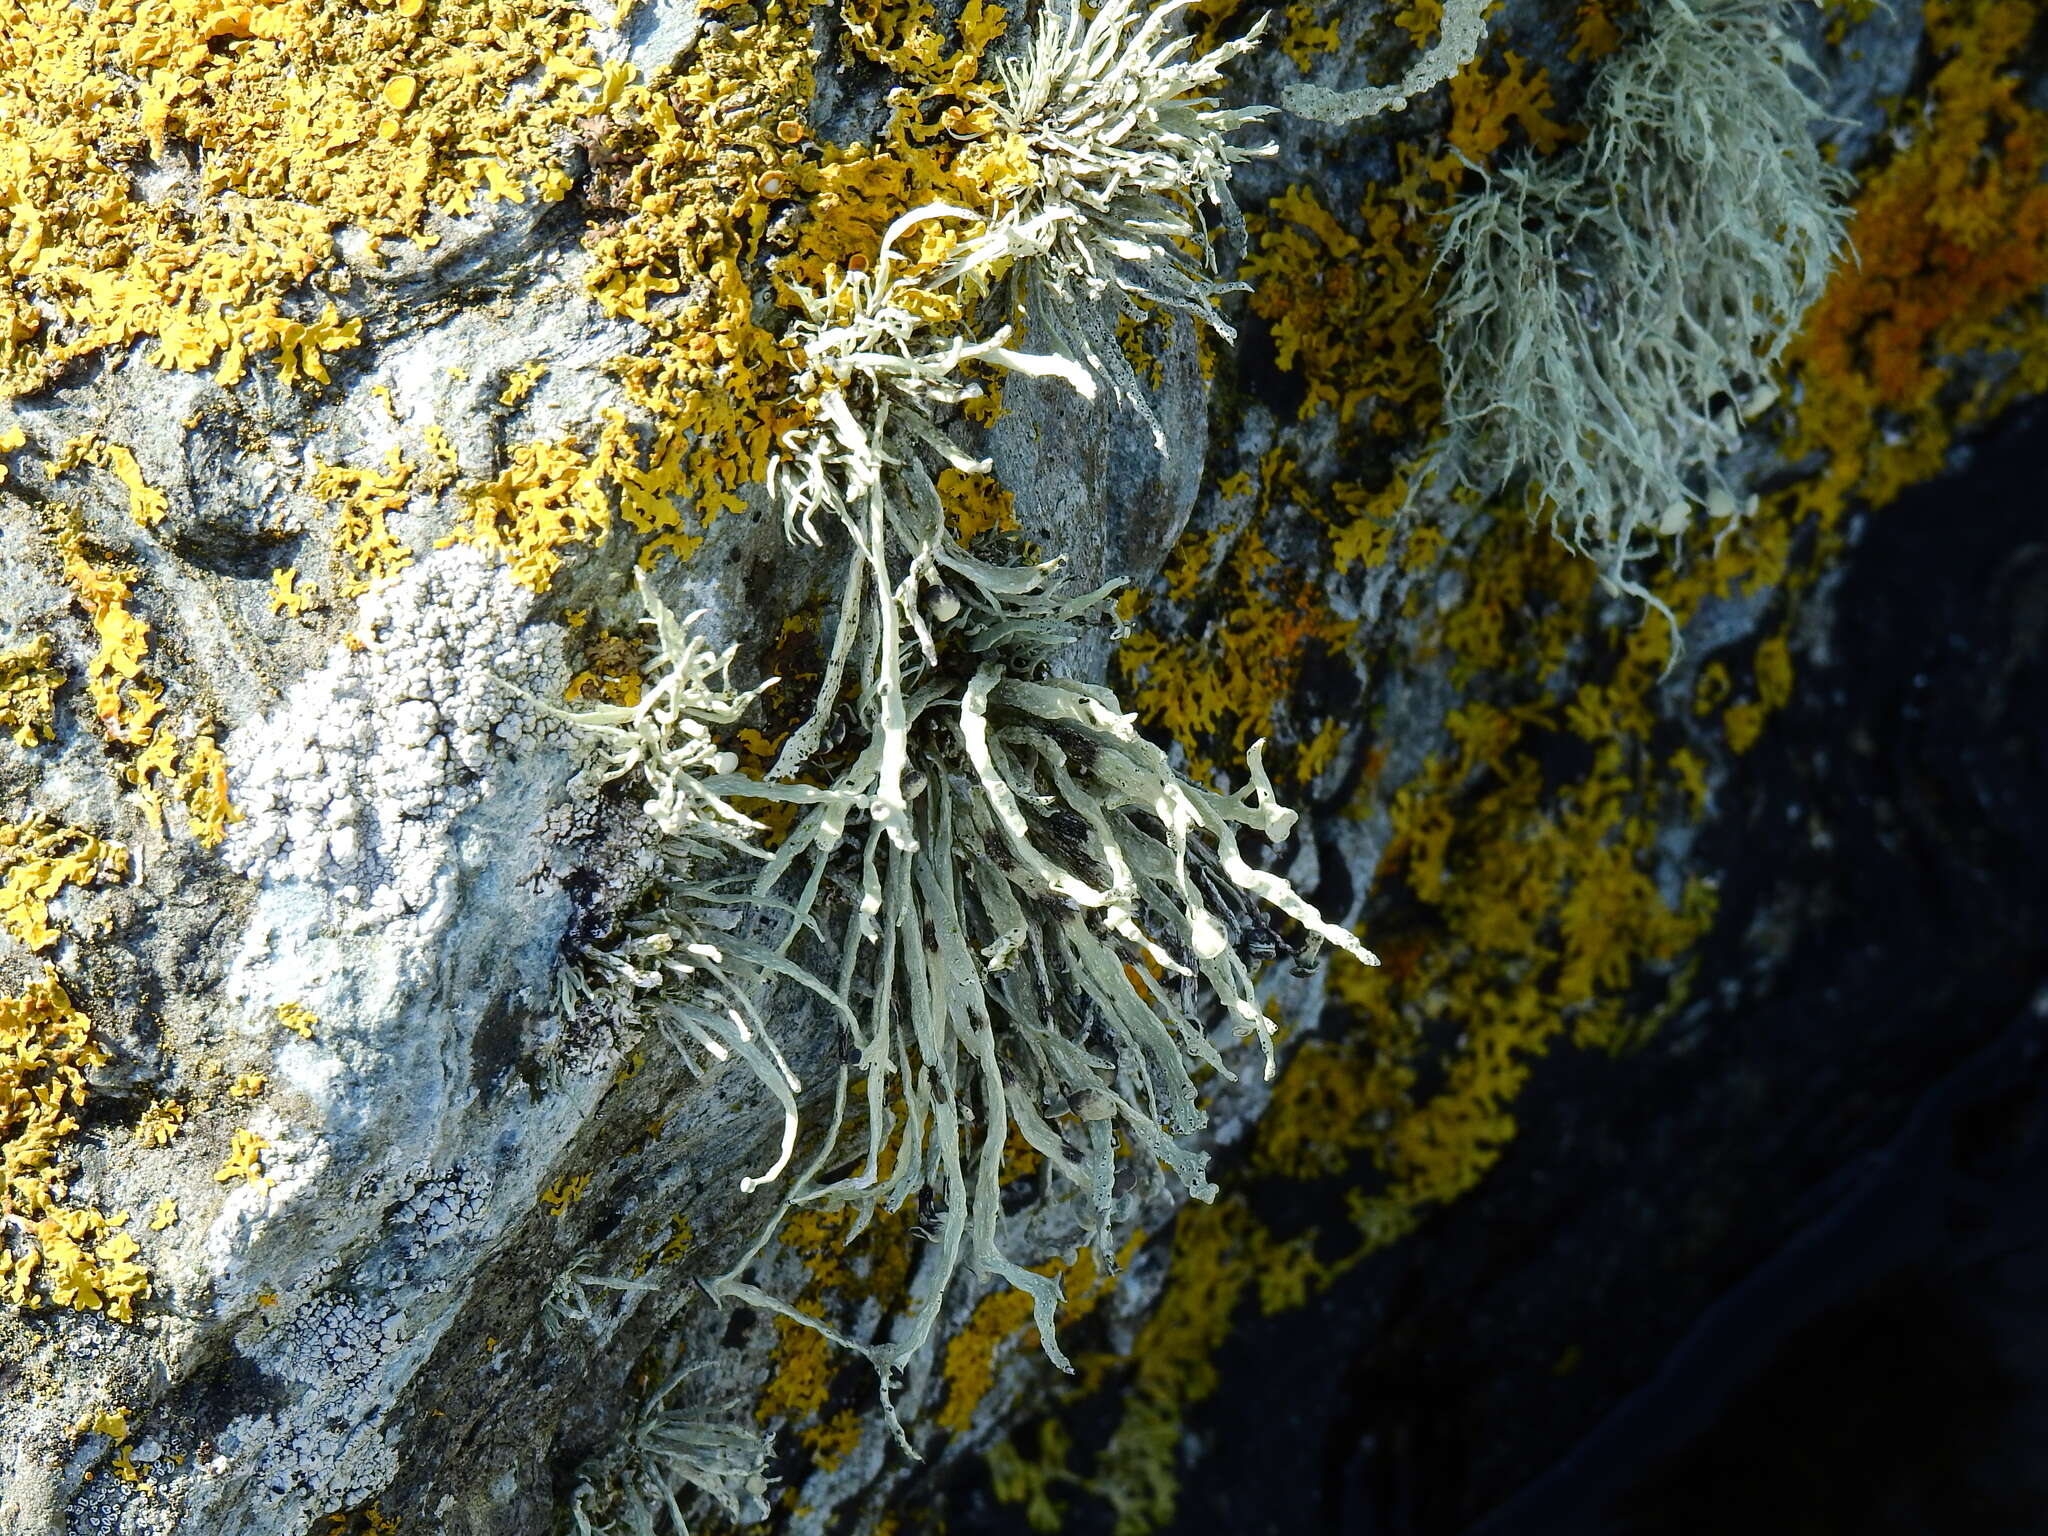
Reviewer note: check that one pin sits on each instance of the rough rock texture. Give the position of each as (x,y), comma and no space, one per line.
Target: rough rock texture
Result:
(322,987)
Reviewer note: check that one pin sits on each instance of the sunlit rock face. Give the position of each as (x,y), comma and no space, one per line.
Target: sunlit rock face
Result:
(354,358)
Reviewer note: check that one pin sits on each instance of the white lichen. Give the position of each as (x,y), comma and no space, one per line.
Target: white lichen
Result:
(1613,313)
(352,785)
(680,964)
(1026,909)
(580,1296)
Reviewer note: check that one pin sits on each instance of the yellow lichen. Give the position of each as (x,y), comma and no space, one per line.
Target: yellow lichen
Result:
(29,681)
(298,1018)
(146,504)
(245,1161)
(365,549)
(50,1251)
(203,788)
(124,700)
(550,496)
(520,382)
(288,595)
(39,857)
(610,672)
(298,117)
(160,1123)
(975,504)
(565,1192)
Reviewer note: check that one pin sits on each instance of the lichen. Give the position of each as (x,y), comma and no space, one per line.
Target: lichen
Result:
(305,116)
(29,680)
(52,1251)
(39,857)
(1613,313)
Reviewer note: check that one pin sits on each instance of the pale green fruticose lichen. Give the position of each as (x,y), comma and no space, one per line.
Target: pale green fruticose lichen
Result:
(580,1296)
(1613,313)
(1036,905)
(674,968)
(660,1461)
(1457,42)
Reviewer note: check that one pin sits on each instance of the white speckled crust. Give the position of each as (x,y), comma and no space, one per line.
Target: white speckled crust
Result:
(351,785)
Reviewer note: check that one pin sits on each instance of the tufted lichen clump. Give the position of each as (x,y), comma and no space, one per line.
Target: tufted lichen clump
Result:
(666,1456)
(1023,903)
(1613,313)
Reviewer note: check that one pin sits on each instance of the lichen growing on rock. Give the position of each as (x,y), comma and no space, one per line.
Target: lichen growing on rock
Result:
(1614,312)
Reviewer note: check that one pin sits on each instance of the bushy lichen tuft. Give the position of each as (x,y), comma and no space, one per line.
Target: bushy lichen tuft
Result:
(1613,313)
(668,1456)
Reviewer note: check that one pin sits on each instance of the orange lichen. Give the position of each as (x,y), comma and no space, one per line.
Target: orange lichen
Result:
(1231,673)
(1951,237)
(1348,311)
(297,116)
(1003,1317)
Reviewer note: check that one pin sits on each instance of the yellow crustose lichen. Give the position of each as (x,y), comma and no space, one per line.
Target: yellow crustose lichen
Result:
(305,116)
(29,680)
(51,1251)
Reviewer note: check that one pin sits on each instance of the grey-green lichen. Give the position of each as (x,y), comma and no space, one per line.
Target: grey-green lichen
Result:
(666,1457)
(1613,313)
